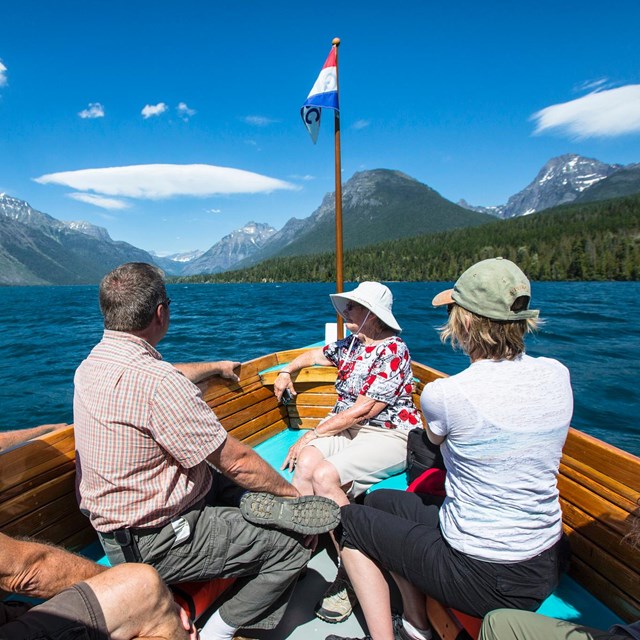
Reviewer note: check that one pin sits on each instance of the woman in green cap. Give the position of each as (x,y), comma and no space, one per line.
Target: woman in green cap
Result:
(495,541)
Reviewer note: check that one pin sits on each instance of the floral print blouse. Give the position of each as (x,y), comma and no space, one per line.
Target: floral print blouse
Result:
(380,372)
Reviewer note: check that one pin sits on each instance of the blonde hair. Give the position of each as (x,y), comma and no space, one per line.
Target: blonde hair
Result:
(482,338)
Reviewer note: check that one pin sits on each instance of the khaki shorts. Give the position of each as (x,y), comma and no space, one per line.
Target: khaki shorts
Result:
(364,455)
(73,614)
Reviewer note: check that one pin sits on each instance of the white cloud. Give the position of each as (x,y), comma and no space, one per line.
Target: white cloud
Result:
(259,121)
(161,181)
(593,85)
(100,201)
(213,210)
(150,110)
(3,74)
(614,112)
(94,110)
(306,178)
(184,112)
(360,124)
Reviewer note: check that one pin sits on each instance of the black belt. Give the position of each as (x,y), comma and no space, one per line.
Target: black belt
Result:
(125,540)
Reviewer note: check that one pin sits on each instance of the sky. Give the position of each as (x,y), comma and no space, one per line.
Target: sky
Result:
(171,124)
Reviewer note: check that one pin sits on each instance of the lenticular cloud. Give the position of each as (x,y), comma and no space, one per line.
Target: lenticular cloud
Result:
(161,181)
(610,113)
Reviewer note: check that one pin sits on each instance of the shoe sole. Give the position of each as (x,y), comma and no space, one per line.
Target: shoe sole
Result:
(325,617)
(308,515)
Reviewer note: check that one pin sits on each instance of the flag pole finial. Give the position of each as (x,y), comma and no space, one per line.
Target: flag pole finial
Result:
(336,42)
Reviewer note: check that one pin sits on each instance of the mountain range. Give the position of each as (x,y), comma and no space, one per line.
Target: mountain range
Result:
(378,205)
(35,248)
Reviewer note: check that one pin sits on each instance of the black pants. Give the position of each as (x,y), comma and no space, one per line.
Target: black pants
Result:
(401,532)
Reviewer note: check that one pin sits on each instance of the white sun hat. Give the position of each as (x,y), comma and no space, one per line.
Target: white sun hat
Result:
(373,296)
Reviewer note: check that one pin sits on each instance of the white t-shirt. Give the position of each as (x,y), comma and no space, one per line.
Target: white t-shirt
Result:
(505,424)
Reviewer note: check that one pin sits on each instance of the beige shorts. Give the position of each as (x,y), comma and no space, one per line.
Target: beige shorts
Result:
(364,455)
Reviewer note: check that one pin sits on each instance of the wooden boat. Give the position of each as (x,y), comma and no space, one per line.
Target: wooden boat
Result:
(599,484)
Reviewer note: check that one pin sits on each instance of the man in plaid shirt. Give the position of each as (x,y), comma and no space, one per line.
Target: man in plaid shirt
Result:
(145,439)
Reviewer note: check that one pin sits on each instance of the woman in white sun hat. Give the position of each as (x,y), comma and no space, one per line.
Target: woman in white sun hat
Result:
(364,438)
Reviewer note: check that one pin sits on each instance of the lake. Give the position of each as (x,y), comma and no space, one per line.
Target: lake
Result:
(592,327)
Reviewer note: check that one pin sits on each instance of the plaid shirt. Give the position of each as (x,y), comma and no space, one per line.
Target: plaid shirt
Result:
(142,434)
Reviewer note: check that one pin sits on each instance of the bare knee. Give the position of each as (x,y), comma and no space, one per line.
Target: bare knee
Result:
(325,478)
(131,578)
(307,463)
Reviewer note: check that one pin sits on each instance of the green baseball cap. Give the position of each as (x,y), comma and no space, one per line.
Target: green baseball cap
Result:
(489,288)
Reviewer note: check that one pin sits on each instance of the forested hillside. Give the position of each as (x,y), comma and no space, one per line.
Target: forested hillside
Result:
(595,241)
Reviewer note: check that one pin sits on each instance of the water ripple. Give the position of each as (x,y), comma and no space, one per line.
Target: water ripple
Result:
(47,331)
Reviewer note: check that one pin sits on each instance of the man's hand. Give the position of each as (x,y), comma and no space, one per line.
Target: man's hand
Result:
(199,371)
(227,369)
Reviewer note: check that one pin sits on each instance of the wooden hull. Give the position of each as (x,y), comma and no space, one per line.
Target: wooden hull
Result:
(599,484)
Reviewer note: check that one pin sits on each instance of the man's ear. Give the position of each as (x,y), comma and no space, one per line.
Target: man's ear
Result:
(162,314)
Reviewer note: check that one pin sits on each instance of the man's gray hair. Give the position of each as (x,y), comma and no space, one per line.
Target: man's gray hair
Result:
(130,295)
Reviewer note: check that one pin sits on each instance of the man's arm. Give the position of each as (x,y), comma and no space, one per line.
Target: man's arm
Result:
(246,468)
(40,570)
(11,438)
(198,371)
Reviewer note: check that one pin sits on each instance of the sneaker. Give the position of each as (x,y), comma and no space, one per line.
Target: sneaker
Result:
(308,515)
(338,600)
(400,633)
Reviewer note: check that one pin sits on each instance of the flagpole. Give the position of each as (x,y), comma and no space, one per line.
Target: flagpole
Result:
(338,179)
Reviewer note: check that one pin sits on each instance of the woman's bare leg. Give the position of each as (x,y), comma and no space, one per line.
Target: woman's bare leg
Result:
(413,603)
(308,460)
(372,591)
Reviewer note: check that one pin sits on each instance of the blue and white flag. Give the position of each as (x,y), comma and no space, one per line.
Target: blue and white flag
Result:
(323,95)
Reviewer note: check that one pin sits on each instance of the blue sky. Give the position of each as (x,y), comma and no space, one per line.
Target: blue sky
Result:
(105,106)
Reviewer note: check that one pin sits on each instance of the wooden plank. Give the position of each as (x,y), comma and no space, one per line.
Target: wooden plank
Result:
(35,521)
(599,508)
(304,423)
(445,625)
(600,484)
(243,401)
(216,395)
(318,388)
(38,496)
(33,458)
(71,523)
(609,594)
(315,398)
(249,428)
(80,539)
(426,374)
(31,483)
(601,561)
(254,412)
(308,374)
(284,357)
(606,536)
(619,465)
(265,434)
(306,411)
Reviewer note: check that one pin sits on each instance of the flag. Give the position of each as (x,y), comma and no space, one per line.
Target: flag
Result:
(323,95)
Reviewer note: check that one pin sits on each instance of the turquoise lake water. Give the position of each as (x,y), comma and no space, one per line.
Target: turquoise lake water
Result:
(45,332)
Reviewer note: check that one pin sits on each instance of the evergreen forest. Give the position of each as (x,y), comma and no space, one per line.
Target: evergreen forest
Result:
(594,241)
